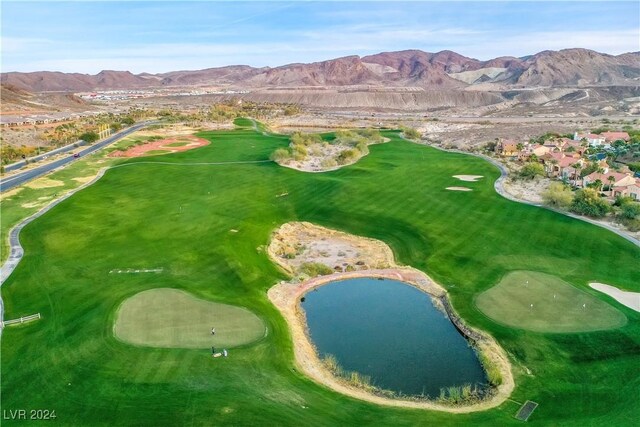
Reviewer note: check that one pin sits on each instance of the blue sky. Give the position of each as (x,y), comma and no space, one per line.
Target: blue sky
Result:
(159,36)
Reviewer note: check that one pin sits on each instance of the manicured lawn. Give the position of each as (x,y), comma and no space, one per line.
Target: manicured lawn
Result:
(543,303)
(178,217)
(171,318)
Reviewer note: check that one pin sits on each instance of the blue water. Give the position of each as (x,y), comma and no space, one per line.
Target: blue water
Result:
(390,331)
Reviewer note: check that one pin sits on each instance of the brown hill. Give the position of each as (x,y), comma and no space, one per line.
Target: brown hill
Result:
(409,68)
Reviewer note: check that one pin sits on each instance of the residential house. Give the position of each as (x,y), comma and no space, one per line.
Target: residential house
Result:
(507,147)
(561,165)
(591,138)
(615,136)
(620,179)
(630,190)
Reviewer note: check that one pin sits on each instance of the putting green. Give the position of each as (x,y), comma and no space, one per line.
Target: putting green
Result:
(172,318)
(543,303)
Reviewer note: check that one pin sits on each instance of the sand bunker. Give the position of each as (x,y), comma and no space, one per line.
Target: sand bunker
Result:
(163,146)
(468,178)
(298,243)
(459,189)
(626,298)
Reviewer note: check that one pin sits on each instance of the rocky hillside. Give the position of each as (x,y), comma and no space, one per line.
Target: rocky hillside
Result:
(408,69)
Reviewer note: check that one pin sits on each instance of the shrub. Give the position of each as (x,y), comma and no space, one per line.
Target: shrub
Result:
(347,155)
(493,371)
(411,133)
(558,195)
(531,170)
(328,163)
(588,202)
(281,154)
(313,269)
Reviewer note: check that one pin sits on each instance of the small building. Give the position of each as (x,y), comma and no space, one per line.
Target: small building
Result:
(507,147)
(631,190)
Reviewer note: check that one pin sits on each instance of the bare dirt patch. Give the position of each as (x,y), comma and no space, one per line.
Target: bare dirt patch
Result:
(459,189)
(529,190)
(83,179)
(626,298)
(44,183)
(468,178)
(163,146)
(295,244)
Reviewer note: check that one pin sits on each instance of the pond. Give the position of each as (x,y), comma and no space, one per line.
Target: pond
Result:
(390,331)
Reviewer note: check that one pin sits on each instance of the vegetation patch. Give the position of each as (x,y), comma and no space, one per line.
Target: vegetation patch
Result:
(544,303)
(313,153)
(172,318)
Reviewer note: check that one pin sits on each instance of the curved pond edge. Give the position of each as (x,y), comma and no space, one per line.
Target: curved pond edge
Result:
(286,296)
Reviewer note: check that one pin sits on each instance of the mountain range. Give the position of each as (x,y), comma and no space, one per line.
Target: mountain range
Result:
(403,69)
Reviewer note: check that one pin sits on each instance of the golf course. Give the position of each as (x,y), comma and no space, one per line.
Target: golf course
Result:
(187,234)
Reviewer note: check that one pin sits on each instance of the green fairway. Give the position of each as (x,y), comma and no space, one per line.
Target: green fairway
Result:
(176,213)
(176,144)
(543,303)
(173,318)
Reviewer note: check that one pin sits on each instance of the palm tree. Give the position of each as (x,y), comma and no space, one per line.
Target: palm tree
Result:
(553,162)
(597,184)
(576,167)
(611,180)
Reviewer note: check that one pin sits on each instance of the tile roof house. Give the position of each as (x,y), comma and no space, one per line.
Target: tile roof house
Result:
(621,179)
(630,190)
(615,136)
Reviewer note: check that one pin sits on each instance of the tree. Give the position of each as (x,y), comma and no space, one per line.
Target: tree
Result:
(558,195)
(127,121)
(576,167)
(89,137)
(531,170)
(597,185)
(520,146)
(612,180)
(588,202)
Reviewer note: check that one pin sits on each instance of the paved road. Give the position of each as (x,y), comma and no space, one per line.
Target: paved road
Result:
(23,163)
(21,178)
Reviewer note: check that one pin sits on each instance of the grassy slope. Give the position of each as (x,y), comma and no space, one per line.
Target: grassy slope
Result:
(132,217)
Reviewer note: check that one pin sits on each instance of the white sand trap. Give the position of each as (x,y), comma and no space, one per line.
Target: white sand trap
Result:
(459,189)
(468,178)
(629,299)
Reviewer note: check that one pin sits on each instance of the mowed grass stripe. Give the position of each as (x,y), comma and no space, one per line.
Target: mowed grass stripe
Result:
(130,218)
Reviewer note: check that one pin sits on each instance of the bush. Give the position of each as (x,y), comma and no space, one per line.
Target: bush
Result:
(347,156)
(280,155)
(588,202)
(313,269)
(89,137)
(531,170)
(558,195)
(411,133)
